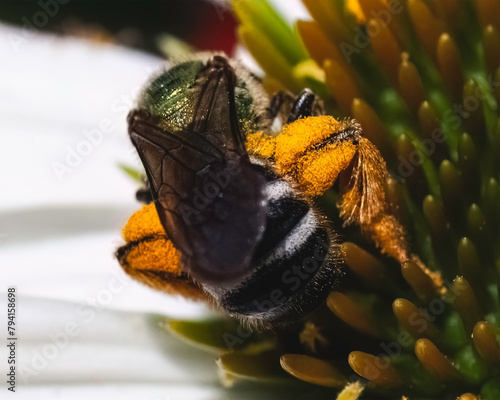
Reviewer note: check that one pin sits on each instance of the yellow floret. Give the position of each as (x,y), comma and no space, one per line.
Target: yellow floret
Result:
(354,8)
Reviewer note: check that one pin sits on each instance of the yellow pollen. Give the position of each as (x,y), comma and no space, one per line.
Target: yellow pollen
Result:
(261,144)
(157,255)
(143,223)
(319,169)
(300,135)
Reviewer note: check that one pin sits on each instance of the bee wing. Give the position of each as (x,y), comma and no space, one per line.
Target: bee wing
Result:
(215,112)
(163,152)
(172,165)
(209,199)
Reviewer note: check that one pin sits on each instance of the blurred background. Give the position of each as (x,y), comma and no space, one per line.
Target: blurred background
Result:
(203,24)
(70,72)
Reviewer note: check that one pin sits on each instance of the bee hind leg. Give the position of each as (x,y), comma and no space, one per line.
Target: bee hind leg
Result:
(289,108)
(279,105)
(148,256)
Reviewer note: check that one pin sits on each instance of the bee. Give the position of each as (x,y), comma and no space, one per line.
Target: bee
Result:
(233,220)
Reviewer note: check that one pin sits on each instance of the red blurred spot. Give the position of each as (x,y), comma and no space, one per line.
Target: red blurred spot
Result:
(213,27)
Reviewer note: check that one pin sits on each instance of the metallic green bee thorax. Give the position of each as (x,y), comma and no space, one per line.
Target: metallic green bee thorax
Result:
(172,96)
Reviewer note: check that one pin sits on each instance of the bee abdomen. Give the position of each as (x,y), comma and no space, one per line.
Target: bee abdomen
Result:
(295,264)
(284,213)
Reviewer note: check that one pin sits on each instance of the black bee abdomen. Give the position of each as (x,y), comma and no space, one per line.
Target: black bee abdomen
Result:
(295,265)
(282,216)
(287,285)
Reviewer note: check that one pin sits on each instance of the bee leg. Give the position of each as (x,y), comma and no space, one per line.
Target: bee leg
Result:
(364,203)
(276,104)
(316,152)
(279,102)
(306,104)
(313,151)
(263,143)
(143,194)
(150,257)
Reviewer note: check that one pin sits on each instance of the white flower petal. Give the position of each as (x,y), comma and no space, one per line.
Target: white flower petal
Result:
(52,92)
(58,236)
